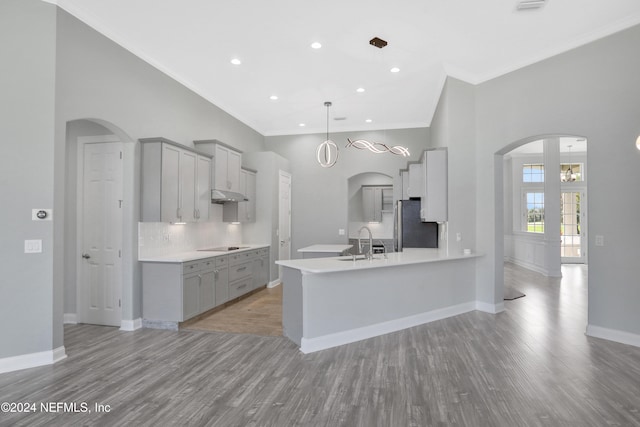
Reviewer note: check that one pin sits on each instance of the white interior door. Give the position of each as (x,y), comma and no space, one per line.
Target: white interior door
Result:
(100,285)
(284,216)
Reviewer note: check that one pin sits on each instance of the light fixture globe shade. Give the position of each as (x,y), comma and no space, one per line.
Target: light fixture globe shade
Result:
(638,142)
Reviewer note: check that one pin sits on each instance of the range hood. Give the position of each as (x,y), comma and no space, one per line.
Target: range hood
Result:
(221,196)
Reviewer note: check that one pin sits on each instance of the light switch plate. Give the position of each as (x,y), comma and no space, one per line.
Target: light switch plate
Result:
(340,231)
(599,240)
(32,246)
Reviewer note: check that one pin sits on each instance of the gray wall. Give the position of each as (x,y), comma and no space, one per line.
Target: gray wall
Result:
(27,49)
(97,79)
(453,126)
(62,71)
(320,196)
(592,91)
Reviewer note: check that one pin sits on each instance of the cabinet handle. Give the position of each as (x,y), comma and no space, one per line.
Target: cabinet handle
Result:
(243,286)
(241,269)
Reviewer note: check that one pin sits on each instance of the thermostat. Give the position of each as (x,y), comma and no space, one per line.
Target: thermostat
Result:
(41,214)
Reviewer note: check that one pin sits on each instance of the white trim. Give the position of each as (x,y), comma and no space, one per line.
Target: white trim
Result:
(274,283)
(528,265)
(490,308)
(70,319)
(309,345)
(131,325)
(613,335)
(32,360)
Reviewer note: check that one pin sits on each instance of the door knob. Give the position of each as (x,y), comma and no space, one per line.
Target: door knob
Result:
(86,256)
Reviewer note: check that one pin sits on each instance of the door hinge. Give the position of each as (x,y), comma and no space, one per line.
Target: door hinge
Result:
(120,204)
(119,303)
(119,253)
(121,155)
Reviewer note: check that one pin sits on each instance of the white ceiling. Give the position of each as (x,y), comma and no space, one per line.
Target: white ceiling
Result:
(193,41)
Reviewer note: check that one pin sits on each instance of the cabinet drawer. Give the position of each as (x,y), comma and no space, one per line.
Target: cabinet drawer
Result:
(239,271)
(192,266)
(263,251)
(208,264)
(240,288)
(222,261)
(240,257)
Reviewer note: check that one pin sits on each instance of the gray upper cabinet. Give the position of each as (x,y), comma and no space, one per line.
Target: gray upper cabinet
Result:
(372,204)
(375,201)
(243,211)
(227,169)
(434,199)
(175,182)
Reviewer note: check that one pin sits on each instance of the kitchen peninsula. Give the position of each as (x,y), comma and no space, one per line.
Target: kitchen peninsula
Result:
(334,301)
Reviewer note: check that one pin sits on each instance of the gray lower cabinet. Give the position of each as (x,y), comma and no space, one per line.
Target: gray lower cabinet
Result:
(222,279)
(176,292)
(240,274)
(261,268)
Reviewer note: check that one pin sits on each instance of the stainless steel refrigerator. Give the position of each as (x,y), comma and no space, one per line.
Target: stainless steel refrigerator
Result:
(409,230)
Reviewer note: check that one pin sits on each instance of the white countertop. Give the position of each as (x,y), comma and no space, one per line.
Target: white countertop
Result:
(326,248)
(345,263)
(196,255)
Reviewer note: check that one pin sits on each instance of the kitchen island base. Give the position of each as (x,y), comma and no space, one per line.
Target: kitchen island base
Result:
(326,309)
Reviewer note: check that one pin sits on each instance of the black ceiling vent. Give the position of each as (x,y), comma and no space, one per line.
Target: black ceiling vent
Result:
(377,42)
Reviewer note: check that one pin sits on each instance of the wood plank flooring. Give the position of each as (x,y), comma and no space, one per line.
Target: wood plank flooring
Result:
(260,314)
(531,365)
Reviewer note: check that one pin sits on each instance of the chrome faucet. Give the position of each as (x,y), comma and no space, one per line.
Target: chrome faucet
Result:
(370,253)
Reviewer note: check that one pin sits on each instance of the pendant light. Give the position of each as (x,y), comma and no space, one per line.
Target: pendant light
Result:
(378,147)
(568,176)
(327,152)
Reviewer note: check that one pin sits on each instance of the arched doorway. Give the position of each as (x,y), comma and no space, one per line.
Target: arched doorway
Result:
(541,196)
(80,134)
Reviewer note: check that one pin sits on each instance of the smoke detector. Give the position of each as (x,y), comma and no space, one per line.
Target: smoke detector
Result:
(530,4)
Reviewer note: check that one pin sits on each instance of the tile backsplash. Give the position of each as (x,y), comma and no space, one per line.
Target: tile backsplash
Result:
(161,238)
(381,230)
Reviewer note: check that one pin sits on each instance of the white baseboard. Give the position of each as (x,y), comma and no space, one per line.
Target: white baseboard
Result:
(490,308)
(309,345)
(130,325)
(70,319)
(274,283)
(32,360)
(613,335)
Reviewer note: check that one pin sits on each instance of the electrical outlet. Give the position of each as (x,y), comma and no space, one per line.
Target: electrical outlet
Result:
(599,240)
(458,237)
(340,231)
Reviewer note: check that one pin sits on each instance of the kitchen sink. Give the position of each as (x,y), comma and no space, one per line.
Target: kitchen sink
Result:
(359,258)
(224,248)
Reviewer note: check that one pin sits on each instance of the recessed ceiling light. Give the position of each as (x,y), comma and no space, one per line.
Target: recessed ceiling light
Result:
(236,61)
(360,90)
(273,97)
(368,120)
(316,45)
(395,70)
(302,125)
